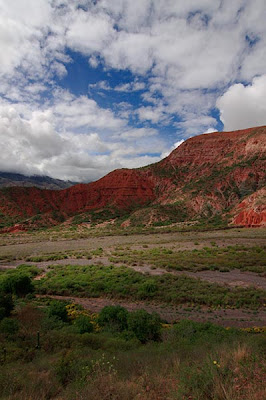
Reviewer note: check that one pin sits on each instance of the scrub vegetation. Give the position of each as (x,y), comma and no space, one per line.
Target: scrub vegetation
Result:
(209,258)
(124,283)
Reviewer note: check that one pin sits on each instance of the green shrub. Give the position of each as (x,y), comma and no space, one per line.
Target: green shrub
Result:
(193,332)
(6,304)
(2,313)
(83,324)
(113,318)
(9,326)
(145,326)
(58,309)
(18,284)
(51,322)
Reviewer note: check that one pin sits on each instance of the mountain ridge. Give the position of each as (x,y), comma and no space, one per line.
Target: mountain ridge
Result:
(11,179)
(207,175)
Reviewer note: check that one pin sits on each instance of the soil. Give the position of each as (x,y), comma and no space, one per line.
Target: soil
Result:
(25,245)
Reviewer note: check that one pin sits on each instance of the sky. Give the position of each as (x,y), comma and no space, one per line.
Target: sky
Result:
(89,86)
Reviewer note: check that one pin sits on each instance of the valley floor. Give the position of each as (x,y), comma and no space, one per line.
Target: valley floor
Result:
(138,252)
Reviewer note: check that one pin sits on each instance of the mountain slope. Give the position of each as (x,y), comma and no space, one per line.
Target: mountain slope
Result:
(205,176)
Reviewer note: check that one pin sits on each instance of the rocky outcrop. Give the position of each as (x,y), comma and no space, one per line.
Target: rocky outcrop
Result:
(251,212)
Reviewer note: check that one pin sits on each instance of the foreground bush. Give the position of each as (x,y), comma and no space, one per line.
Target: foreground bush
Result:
(9,326)
(6,304)
(58,309)
(145,326)
(113,318)
(83,324)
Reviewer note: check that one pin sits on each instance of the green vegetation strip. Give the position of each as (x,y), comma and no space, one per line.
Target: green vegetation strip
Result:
(123,283)
(220,259)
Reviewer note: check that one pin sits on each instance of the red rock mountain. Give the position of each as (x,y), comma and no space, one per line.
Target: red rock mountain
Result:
(221,173)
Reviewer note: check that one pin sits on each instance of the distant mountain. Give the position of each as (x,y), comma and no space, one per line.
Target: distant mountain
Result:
(9,179)
(219,176)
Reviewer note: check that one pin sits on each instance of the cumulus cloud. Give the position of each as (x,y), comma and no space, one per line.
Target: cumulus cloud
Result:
(244,106)
(26,142)
(175,146)
(47,142)
(210,130)
(84,112)
(183,59)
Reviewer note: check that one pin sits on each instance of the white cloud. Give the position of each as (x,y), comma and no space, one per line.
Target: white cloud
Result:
(244,106)
(182,56)
(134,86)
(137,133)
(210,130)
(27,141)
(153,114)
(100,85)
(59,69)
(130,87)
(195,126)
(175,146)
(89,32)
(48,142)
(93,62)
(84,112)
(21,25)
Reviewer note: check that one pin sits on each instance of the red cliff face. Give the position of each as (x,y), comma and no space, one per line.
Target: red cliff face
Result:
(251,212)
(216,147)
(219,149)
(214,172)
(208,173)
(121,189)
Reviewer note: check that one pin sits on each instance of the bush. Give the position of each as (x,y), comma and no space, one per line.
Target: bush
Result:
(83,324)
(58,309)
(19,284)
(193,332)
(145,326)
(6,304)
(51,322)
(9,326)
(113,318)
(2,313)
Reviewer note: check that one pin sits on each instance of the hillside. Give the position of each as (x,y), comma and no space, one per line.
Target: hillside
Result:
(8,179)
(211,175)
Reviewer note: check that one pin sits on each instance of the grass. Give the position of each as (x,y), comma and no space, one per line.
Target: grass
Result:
(220,259)
(123,283)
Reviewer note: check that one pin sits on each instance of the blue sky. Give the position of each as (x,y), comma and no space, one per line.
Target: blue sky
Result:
(90,86)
